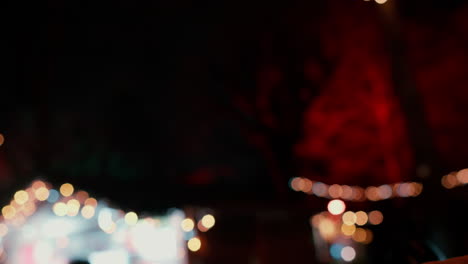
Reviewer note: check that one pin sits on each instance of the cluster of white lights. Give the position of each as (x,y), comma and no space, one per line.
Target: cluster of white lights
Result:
(204,224)
(42,212)
(356,193)
(341,228)
(455,179)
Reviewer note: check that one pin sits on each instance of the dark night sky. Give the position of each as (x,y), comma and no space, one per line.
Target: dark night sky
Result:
(123,95)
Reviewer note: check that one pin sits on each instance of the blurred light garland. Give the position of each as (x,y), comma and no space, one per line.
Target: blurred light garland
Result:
(356,193)
(455,179)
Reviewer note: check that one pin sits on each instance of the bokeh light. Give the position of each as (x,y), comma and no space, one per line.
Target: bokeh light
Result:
(38,184)
(21,197)
(348,230)
(358,194)
(372,193)
(349,218)
(307,186)
(336,207)
(360,235)
(335,191)
(2,139)
(87,211)
(194,244)
(347,192)
(81,196)
(348,253)
(8,212)
(208,221)
(335,251)
(297,184)
(66,189)
(187,224)
(462,176)
(320,189)
(385,191)
(73,207)
(53,196)
(375,217)
(361,218)
(41,193)
(91,202)
(60,209)
(131,218)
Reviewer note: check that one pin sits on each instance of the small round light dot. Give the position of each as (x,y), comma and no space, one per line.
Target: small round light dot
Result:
(348,253)
(66,189)
(21,197)
(8,212)
(361,218)
(194,244)
(60,209)
(208,221)
(41,193)
(349,218)
(336,207)
(375,217)
(87,211)
(131,218)
(187,224)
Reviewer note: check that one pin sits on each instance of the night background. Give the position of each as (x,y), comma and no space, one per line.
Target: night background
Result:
(219,104)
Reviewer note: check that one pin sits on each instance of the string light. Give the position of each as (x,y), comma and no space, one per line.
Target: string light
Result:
(370,193)
(455,179)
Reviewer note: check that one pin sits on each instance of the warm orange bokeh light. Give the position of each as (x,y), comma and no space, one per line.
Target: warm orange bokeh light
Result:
(81,196)
(361,218)
(375,217)
(360,235)
(462,176)
(297,184)
(348,230)
(2,139)
(347,192)
(307,186)
(349,218)
(335,191)
(41,193)
(21,197)
(38,184)
(66,189)
(91,202)
(372,193)
(336,207)
(8,212)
